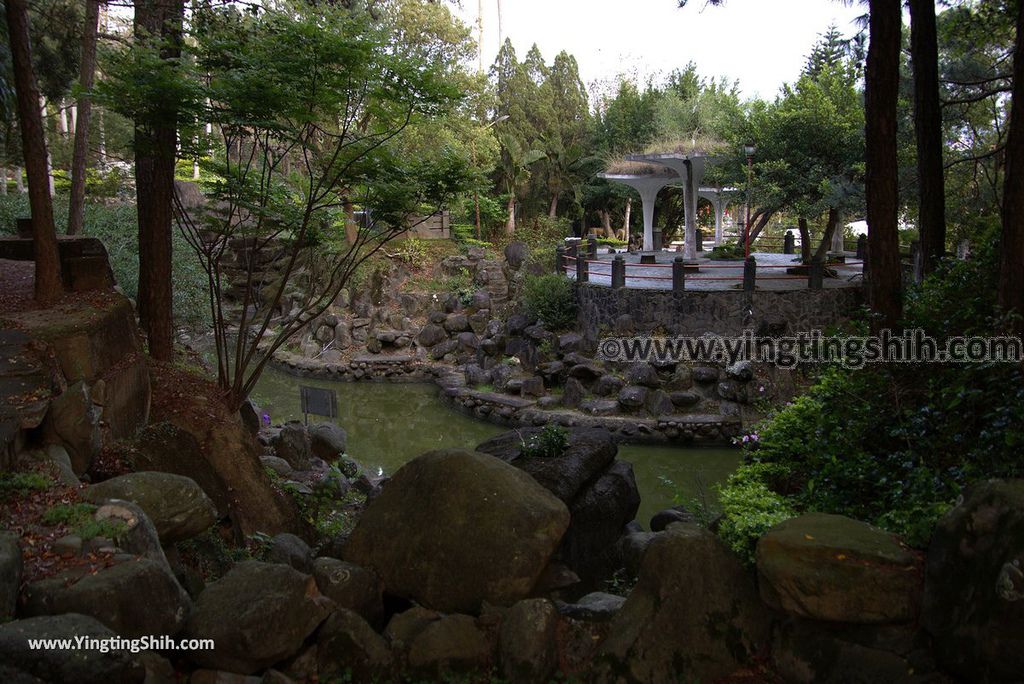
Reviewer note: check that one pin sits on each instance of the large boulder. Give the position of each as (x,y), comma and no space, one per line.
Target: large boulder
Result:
(75,421)
(974,584)
(601,493)
(294,445)
(527,646)
(693,616)
(346,644)
(599,514)
(588,453)
(177,505)
(452,644)
(10,574)
(225,452)
(291,550)
(166,448)
(328,441)
(82,666)
(454,528)
(135,597)
(257,614)
(809,652)
(351,587)
(829,567)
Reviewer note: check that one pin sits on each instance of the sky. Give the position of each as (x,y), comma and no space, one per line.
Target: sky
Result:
(760,43)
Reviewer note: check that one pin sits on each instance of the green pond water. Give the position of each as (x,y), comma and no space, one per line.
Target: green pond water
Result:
(388,424)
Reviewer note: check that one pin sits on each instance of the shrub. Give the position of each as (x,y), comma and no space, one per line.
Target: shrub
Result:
(728,252)
(895,445)
(548,443)
(550,298)
(749,509)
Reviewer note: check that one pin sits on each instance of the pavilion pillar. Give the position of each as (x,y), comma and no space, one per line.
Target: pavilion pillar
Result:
(719,210)
(690,207)
(648,196)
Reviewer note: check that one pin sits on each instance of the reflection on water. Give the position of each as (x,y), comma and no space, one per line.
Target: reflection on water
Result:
(388,424)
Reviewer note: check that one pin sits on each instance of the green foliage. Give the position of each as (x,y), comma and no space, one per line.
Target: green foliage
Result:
(210,555)
(895,445)
(729,251)
(550,442)
(22,483)
(116,225)
(550,298)
(97,184)
(80,518)
(749,509)
(331,509)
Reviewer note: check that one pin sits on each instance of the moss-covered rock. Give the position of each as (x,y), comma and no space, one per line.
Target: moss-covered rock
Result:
(258,614)
(974,587)
(830,567)
(454,528)
(177,506)
(693,616)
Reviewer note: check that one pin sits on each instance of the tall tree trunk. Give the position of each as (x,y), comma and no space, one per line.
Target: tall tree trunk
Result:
(48,286)
(805,240)
(553,208)
(155,150)
(830,230)
(1011,266)
(87,71)
(510,224)
(882,187)
(627,216)
(924,54)
(19,178)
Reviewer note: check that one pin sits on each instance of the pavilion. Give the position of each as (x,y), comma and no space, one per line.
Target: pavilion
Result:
(649,173)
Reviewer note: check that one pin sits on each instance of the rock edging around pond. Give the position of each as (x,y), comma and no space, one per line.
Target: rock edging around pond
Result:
(515,411)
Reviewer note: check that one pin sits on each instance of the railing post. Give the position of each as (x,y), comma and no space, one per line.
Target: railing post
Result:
(816,274)
(592,247)
(618,272)
(678,275)
(789,244)
(581,267)
(560,260)
(749,274)
(862,247)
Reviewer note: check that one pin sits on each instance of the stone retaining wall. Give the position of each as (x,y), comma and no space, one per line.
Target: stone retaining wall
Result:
(726,313)
(511,411)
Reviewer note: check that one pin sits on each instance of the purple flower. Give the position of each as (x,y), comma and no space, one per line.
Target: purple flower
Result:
(266,419)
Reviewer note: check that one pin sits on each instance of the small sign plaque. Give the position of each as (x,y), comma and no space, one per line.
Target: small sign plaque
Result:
(318,401)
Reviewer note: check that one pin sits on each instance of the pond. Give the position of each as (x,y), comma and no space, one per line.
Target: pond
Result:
(389,424)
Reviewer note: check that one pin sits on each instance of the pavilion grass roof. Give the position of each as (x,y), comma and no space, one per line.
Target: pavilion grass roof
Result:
(632,168)
(687,147)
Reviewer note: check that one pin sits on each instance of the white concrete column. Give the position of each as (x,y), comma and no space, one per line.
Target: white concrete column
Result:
(719,210)
(648,196)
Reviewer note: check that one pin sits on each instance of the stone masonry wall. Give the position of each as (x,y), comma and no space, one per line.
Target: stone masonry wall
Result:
(726,313)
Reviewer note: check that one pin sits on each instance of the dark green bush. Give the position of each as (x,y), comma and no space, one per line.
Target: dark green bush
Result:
(895,444)
(548,443)
(551,299)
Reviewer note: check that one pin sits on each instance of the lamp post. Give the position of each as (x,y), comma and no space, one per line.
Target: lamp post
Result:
(476,191)
(749,149)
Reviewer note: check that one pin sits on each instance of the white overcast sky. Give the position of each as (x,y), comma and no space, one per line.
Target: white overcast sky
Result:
(760,43)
